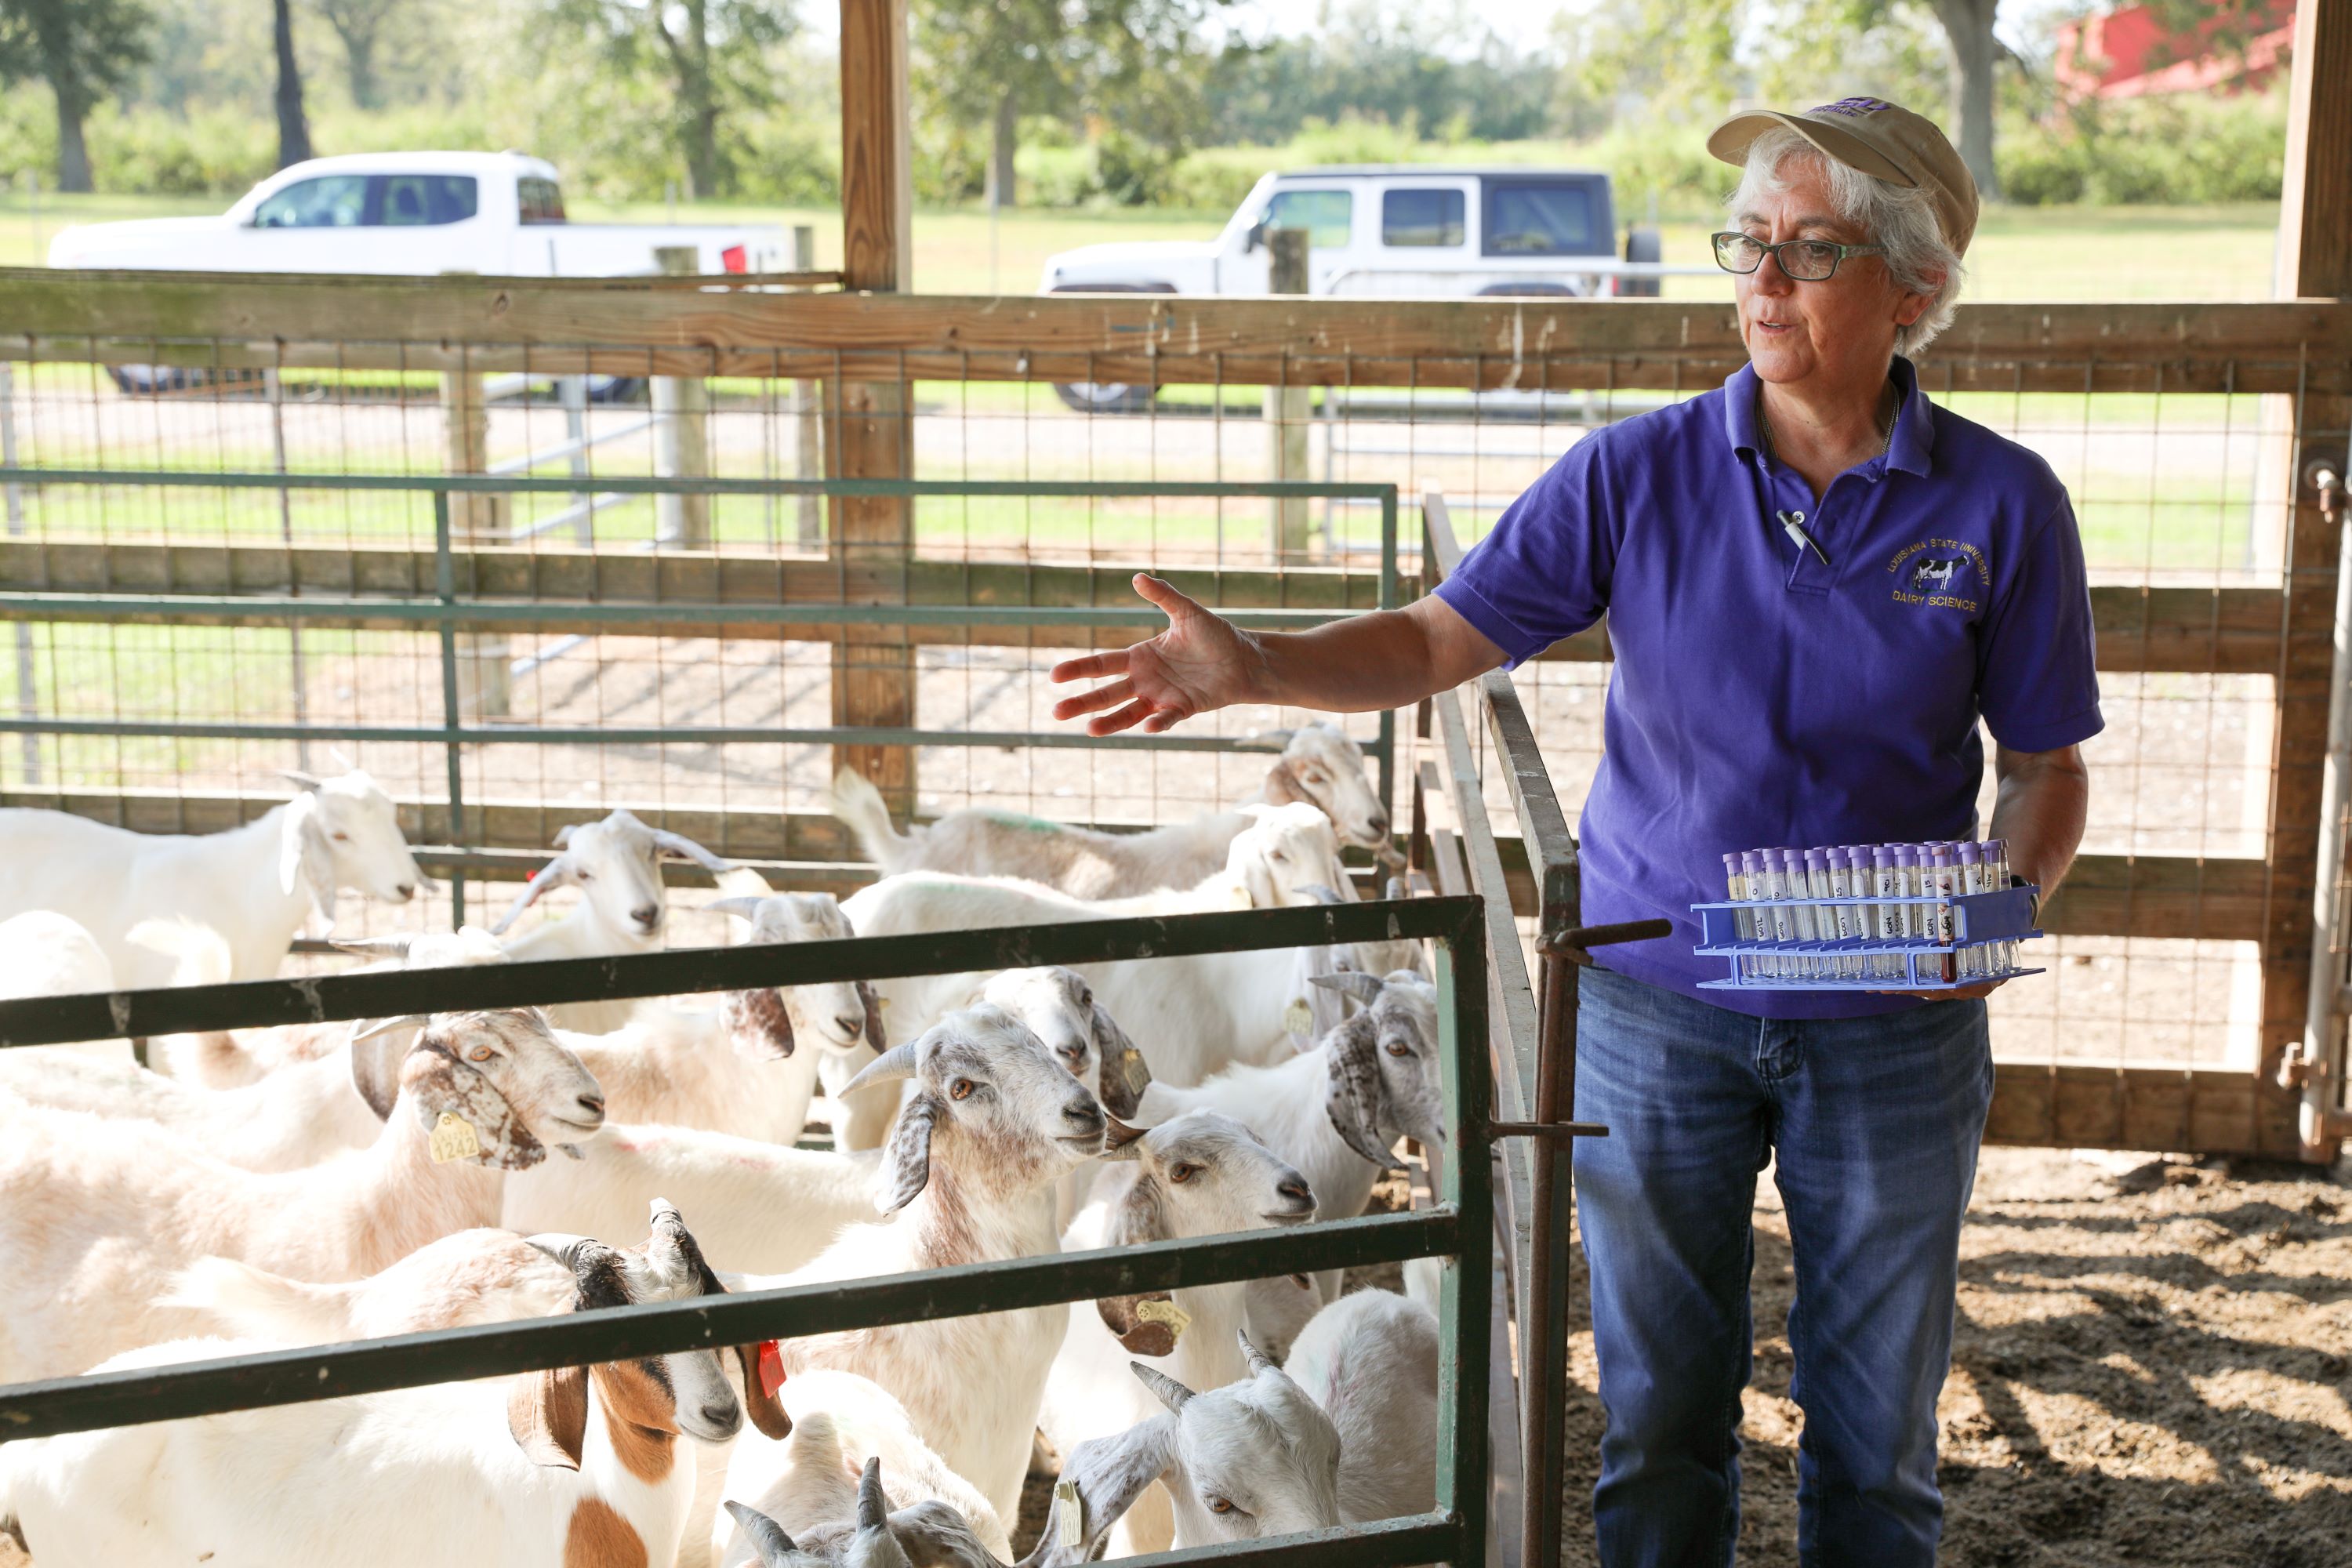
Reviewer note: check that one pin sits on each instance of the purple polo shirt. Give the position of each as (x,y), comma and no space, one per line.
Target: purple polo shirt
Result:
(1760,698)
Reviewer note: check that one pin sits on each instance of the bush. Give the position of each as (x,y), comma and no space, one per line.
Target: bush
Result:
(2147,151)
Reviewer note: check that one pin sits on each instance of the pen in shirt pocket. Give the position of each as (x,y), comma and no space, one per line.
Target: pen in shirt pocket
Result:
(1793,524)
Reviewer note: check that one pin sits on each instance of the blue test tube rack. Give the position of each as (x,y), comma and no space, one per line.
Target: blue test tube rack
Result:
(1979,920)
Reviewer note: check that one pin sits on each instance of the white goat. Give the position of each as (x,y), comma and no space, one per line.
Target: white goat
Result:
(1320,765)
(44,953)
(254,885)
(1199,1173)
(96,1215)
(1370,1360)
(1254,1458)
(928,1534)
(566,1468)
(810,1483)
(616,864)
(1204,1011)
(1335,1111)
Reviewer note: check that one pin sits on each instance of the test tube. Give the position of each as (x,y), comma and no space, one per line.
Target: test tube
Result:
(1944,881)
(1776,887)
(1842,887)
(1759,921)
(1814,924)
(1995,852)
(1886,916)
(1743,922)
(1974,961)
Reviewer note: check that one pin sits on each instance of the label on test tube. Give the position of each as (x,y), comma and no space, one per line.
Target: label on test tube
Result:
(1813,925)
(1886,914)
(1974,961)
(1946,882)
(1842,887)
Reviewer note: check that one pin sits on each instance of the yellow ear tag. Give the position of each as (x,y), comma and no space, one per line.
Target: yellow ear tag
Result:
(1177,1319)
(1298,1018)
(453,1139)
(1072,1513)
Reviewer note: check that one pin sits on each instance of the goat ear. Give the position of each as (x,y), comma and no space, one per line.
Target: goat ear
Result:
(1353,1098)
(564,834)
(1139,1219)
(1257,884)
(757,1023)
(1102,1479)
(375,1066)
(766,1411)
(678,847)
(877,1035)
(1123,1074)
(769,1542)
(1282,785)
(548,1414)
(305,858)
(907,1155)
(307,782)
(746,908)
(557,873)
(1355,982)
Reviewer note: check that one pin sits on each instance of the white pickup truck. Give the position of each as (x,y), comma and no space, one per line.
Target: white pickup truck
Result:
(1396,230)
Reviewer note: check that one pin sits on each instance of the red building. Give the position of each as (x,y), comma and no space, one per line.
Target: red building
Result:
(2131,52)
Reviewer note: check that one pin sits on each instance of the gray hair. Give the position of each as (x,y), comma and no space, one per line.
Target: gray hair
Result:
(1899,218)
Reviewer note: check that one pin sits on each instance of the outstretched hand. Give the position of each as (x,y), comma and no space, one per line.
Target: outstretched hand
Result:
(1202,662)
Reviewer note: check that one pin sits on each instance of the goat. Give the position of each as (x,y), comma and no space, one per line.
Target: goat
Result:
(96,1215)
(256,885)
(1370,1360)
(1253,1458)
(616,864)
(1199,1173)
(572,1469)
(44,953)
(1335,1111)
(810,1483)
(1206,1010)
(1320,765)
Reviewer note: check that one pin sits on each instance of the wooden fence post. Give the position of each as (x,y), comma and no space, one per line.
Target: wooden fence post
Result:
(1291,531)
(808,453)
(871,433)
(485,683)
(681,434)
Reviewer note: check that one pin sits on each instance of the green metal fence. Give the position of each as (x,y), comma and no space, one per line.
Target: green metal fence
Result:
(450,613)
(1458,1228)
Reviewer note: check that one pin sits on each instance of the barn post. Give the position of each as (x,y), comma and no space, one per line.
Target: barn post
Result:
(2299,1083)
(872,420)
(681,405)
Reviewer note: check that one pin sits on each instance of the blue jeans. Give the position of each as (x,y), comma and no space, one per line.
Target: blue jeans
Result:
(1875,1123)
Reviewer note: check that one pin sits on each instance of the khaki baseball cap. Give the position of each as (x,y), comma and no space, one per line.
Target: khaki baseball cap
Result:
(1878,138)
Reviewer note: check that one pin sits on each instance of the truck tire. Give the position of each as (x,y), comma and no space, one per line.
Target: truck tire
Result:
(1642,243)
(1108,396)
(615,388)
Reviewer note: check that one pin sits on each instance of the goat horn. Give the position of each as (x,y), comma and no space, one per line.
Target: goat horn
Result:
(746,907)
(873,1507)
(1170,1393)
(393,946)
(556,873)
(686,849)
(768,1539)
(1363,987)
(1119,1135)
(1256,1358)
(563,1247)
(385,1026)
(897,1062)
(301,780)
(1321,894)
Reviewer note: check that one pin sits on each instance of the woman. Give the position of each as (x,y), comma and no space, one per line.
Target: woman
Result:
(1817,584)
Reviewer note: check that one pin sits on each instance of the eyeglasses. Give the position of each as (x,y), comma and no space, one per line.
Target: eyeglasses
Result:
(1805,260)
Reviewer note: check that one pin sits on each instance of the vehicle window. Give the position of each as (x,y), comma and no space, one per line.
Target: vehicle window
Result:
(542,201)
(1326,215)
(1421,217)
(331,201)
(411,199)
(1524,218)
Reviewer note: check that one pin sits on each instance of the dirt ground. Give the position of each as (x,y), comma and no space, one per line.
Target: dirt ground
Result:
(2154,1366)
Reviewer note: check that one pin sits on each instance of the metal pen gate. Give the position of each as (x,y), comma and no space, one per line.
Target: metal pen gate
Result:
(1458,1227)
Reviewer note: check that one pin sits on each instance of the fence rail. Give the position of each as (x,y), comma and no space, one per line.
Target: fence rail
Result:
(1457,1228)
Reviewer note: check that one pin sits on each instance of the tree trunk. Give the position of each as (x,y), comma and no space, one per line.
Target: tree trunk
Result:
(697,99)
(73,152)
(1968,26)
(359,66)
(1002,180)
(293,130)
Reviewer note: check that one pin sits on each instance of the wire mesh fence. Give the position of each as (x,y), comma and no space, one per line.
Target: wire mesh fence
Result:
(2183,440)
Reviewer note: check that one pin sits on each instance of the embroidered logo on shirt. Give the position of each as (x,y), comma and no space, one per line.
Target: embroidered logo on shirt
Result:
(1942,573)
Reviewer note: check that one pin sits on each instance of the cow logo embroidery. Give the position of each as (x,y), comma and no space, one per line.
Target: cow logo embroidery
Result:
(1852,108)
(1941,573)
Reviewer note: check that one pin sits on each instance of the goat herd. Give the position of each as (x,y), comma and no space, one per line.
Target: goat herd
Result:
(310,1184)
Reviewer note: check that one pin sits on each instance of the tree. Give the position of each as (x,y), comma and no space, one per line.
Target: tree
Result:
(84,49)
(1968,24)
(293,129)
(359,27)
(1134,64)
(711,56)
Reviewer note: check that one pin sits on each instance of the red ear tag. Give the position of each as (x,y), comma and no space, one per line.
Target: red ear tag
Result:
(771,1368)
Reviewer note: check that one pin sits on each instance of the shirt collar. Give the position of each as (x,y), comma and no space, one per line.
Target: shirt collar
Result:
(1910,447)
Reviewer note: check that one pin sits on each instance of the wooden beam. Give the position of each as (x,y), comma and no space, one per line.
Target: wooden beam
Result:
(2208,1110)
(497,324)
(872,429)
(2314,248)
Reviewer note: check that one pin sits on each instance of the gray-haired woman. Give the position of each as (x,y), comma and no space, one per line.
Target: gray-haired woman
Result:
(1817,584)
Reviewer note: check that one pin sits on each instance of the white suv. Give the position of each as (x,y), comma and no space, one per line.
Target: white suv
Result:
(1389,231)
